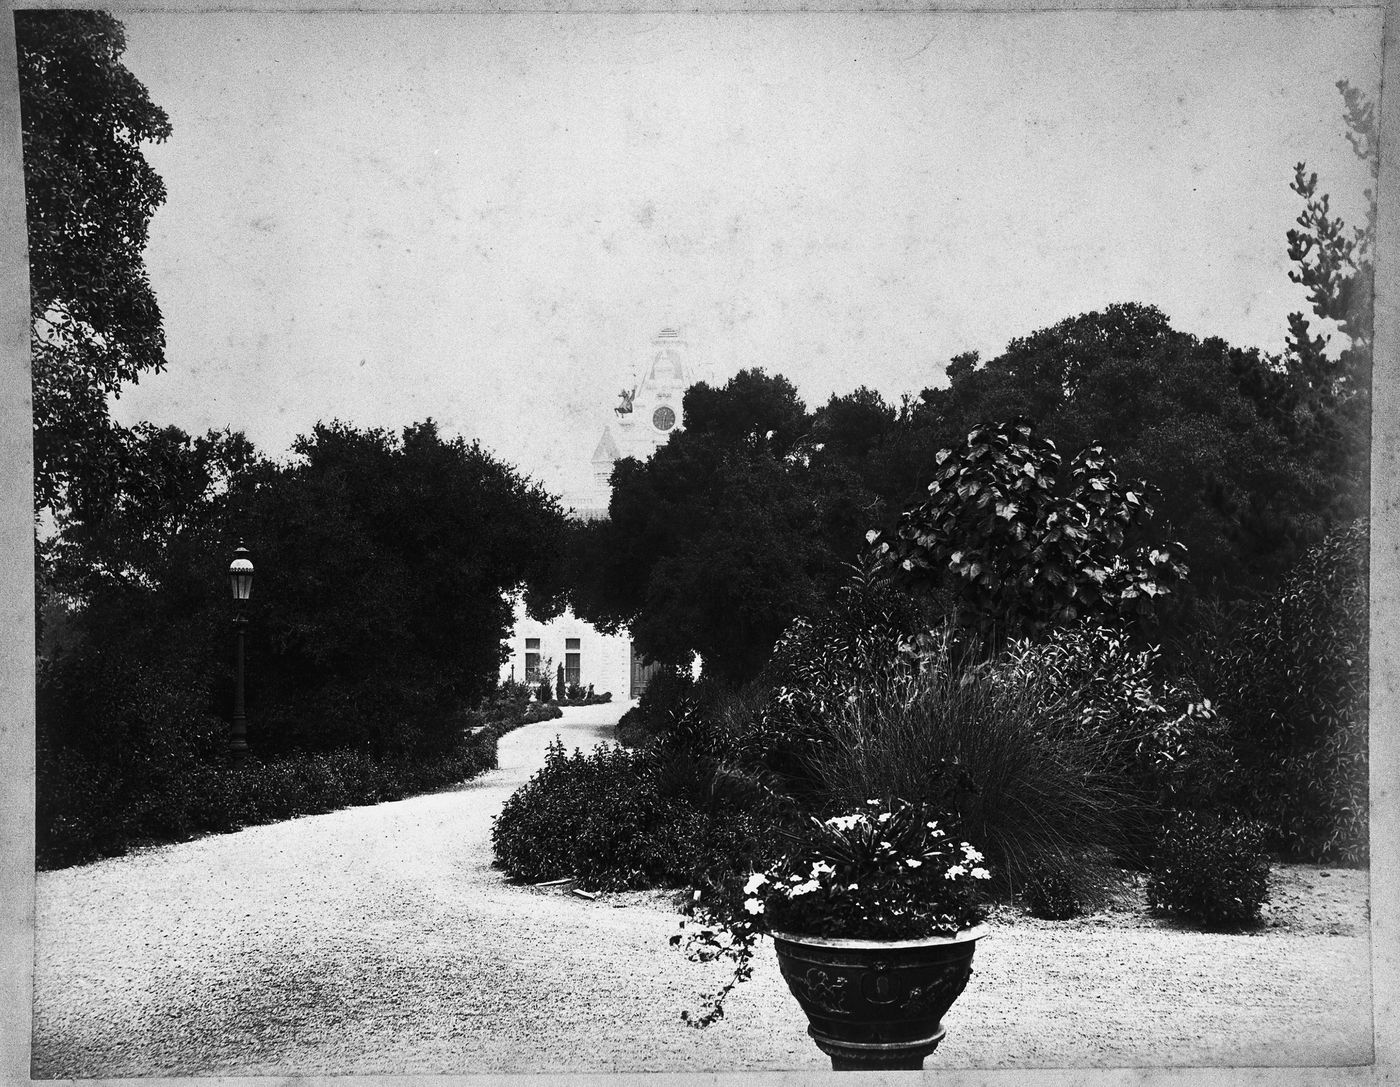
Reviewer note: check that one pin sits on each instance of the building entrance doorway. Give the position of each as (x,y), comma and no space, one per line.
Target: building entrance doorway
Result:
(641,673)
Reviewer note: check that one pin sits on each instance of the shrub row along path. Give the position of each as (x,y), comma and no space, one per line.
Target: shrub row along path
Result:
(380,939)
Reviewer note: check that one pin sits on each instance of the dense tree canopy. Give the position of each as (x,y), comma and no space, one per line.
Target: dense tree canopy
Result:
(1169,407)
(730,530)
(383,568)
(383,561)
(1254,457)
(90,196)
(161,495)
(740,522)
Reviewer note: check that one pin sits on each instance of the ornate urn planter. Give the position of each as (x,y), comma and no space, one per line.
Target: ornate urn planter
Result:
(876,1004)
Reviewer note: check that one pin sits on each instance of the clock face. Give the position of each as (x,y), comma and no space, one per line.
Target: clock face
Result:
(663,418)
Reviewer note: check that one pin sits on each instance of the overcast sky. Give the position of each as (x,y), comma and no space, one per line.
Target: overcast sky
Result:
(485,218)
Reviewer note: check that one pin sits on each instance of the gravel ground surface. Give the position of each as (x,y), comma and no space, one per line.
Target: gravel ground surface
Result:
(380,939)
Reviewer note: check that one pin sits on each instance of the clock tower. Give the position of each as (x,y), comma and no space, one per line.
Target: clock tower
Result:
(646,415)
(649,411)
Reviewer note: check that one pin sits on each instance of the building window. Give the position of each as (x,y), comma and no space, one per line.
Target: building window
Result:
(571,659)
(532,660)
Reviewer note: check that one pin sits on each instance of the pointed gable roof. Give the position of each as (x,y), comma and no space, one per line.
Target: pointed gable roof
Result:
(607,451)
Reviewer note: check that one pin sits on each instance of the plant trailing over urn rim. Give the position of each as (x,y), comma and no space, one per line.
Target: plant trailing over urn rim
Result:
(887,871)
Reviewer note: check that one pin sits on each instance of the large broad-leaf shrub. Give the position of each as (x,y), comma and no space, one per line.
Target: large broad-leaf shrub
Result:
(1211,871)
(119,730)
(1291,675)
(1023,541)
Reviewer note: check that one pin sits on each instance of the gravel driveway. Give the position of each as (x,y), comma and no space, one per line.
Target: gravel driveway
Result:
(380,939)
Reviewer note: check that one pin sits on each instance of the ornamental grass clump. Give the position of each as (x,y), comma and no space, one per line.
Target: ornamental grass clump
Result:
(887,870)
(1010,752)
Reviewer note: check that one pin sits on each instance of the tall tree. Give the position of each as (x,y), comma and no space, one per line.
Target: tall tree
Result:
(1334,263)
(1170,408)
(384,562)
(173,493)
(1318,392)
(90,195)
(728,532)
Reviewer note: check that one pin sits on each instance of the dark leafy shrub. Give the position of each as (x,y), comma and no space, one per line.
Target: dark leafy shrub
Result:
(1291,673)
(663,697)
(544,692)
(617,818)
(537,830)
(1210,871)
(669,694)
(1054,890)
(1166,741)
(511,691)
(538,711)
(578,695)
(631,730)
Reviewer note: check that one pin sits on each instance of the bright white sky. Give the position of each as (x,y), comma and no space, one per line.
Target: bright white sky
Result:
(485,218)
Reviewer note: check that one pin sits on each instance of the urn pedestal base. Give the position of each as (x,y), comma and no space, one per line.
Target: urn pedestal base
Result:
(876,1004)
(875,1056)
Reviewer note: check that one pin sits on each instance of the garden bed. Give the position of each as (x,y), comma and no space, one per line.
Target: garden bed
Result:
(1304,899)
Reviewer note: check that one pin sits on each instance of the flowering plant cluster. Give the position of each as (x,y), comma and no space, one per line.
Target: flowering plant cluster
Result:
(886,871)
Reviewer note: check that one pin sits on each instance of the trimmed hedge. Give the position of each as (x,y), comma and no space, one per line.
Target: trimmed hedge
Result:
(587,699)
(86,811)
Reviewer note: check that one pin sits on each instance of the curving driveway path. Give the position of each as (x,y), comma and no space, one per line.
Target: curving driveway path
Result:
(380,940)
(371,940)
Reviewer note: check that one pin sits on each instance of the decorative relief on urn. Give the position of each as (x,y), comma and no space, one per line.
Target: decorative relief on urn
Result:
(819,990)
(944,989)
(877,985)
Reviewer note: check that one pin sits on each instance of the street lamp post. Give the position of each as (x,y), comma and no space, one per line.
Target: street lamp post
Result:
(240,576)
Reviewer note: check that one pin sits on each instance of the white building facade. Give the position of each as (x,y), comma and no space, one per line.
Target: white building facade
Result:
(645,417)
(605,661)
